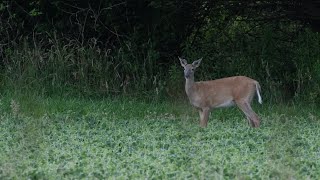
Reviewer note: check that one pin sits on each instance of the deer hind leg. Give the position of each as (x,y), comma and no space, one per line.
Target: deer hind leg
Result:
(204,116)
(251,115)
(250,122)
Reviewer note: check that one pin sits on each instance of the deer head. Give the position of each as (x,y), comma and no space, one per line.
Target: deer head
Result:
(189,69)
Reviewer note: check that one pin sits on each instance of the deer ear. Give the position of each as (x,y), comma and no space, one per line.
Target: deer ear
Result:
(196,63)
(183,62)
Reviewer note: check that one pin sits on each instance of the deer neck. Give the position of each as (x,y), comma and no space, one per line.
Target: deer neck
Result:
(189,86)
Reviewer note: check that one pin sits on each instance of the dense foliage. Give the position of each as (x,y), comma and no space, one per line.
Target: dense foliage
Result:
(108,47)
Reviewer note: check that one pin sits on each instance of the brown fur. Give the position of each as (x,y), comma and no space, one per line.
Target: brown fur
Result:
(207,95)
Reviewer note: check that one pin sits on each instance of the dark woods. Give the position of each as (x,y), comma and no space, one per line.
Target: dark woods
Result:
(131,47)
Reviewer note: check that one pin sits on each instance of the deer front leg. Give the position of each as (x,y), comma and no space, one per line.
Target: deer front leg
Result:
(204,116)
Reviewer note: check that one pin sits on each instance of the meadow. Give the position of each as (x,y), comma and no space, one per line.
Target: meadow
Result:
(95,89)
(132,138)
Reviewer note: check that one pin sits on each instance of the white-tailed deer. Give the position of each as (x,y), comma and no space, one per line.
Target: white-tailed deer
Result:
(206,95)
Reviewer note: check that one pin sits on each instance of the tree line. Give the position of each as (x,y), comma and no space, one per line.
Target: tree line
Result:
(131,41)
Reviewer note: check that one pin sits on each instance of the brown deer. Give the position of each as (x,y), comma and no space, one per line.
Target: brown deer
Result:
(225,92)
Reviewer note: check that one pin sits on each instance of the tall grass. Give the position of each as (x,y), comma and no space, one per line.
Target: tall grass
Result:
(56,66)
(50,65)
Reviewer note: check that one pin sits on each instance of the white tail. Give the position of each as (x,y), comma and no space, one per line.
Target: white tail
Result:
(207,95)
(258,88)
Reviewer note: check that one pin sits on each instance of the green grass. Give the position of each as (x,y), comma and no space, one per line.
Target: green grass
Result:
(55,138)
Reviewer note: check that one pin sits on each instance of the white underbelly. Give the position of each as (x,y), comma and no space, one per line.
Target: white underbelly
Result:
(226,104)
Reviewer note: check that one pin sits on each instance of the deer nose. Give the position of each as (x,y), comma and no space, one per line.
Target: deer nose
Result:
(187,74)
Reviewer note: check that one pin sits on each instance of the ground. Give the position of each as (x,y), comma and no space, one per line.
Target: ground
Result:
(54,138)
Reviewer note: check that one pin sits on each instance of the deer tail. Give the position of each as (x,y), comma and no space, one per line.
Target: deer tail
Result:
(258,90)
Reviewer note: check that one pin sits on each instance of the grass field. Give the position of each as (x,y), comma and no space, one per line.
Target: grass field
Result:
(55,138)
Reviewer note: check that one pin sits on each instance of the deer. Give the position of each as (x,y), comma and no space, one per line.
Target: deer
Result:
(224,92)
